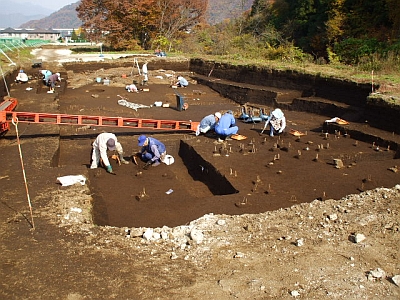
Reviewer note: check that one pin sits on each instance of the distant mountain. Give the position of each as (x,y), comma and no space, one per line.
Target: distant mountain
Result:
(13,14)
(66,17)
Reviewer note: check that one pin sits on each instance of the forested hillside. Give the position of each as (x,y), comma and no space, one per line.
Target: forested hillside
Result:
(321,26)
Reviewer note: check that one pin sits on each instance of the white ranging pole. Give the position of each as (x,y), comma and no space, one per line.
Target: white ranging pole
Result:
(5,82)
(12,63)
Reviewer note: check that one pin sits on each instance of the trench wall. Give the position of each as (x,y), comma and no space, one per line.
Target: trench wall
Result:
(333,89)
(288,85)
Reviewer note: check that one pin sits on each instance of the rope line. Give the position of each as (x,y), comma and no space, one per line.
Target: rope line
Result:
(15,123)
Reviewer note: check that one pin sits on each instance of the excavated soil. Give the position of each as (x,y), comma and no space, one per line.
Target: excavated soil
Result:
(230,194)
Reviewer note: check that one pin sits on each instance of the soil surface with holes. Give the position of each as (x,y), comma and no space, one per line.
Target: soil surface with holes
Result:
(260,218)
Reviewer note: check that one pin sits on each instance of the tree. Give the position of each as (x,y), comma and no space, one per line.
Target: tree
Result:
(124,23)
(74,36)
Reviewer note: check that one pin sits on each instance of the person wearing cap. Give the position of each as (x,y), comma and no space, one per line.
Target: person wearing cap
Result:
(106,141)
(208,123)
(152,151)
(226,126)
(52,80)
(276,121)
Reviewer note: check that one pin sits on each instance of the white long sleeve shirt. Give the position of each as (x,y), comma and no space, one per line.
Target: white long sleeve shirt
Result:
(101,144)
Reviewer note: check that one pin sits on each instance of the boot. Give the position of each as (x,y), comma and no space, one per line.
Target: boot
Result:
(122,159)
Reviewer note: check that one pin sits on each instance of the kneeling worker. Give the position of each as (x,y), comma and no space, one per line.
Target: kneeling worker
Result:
(208,123)
(106,141)
(226,126)
(152,152)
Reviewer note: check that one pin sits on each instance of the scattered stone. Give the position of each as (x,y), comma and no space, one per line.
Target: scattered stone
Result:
(378,273)
(396,280)
(295,293)
(197,236)
(394,169)
(156,236)
(338,163)
(221,222)
(239,255)
(136,232)
(148,234)
(299,242)
(164,235)
(248,227)
(173,255)
(333,217)
(357,238)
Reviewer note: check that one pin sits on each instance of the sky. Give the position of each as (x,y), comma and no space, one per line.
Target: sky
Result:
(50,4)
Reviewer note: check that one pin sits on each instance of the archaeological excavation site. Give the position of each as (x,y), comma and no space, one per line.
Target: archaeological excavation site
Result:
(340,139)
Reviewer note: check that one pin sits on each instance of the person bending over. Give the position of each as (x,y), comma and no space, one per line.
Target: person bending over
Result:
(152,152)
(208,123)
(103,142)
(225,127)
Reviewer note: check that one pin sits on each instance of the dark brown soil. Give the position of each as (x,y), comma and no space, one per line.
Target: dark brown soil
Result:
(256,175)
(248,180)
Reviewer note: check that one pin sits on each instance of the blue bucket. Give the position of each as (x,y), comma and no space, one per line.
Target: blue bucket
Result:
(98,79)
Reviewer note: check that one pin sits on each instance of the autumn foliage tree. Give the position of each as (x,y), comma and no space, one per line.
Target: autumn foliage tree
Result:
(127,24)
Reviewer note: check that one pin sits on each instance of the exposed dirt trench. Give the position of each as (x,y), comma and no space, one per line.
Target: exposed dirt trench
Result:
(236,177)
(241,226)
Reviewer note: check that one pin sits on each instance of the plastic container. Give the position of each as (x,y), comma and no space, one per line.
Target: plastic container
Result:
(98,79)
(106,81)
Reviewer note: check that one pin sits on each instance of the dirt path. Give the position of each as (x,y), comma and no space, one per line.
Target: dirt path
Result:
(213,246)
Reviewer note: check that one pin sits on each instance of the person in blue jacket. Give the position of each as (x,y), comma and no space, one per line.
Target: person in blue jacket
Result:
(152,152)
(226,126)
(208,123)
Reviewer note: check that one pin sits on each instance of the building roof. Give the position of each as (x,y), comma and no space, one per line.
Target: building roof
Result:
(10,30)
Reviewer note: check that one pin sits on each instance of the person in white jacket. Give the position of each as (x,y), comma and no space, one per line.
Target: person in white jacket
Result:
(145,73)
(106,141)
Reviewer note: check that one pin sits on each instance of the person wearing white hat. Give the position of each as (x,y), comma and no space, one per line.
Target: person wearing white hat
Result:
(276,121)
(106,141)
(208,123)
(226,126)
(21,77)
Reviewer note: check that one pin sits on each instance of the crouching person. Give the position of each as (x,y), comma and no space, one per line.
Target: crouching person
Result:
(226,126)
(152,152)
(276,121)
(106,141)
